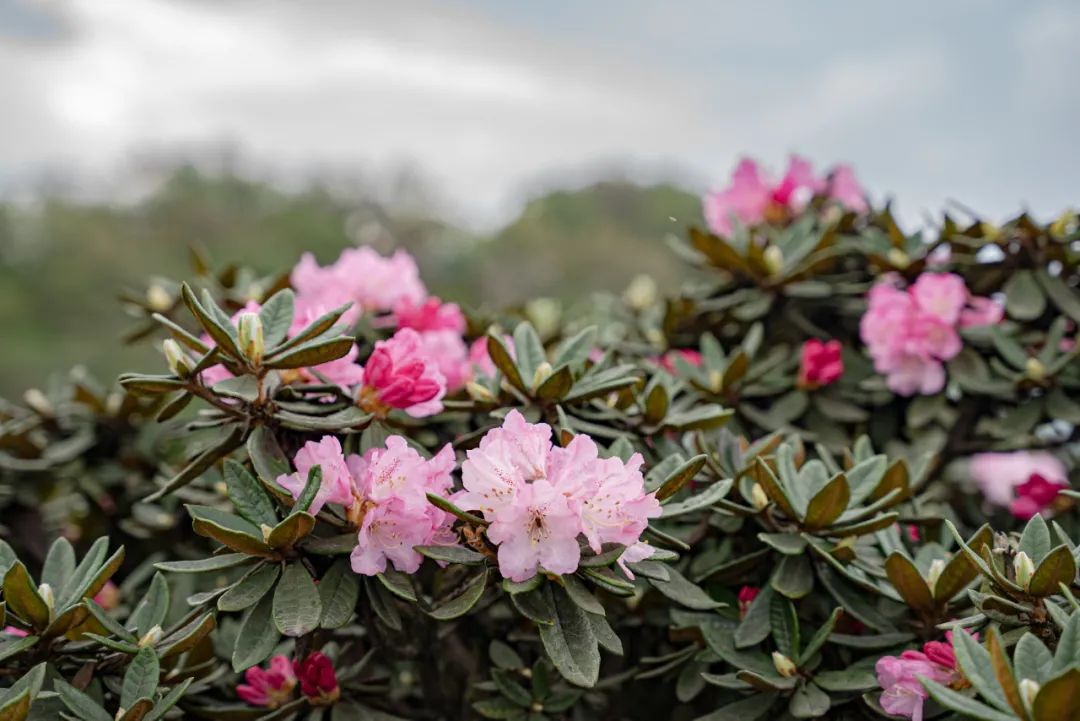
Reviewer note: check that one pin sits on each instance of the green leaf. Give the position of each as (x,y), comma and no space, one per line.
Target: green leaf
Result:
(169,700)
(680,477)
(975,662)
(257,636)
(221,332)
(536,605)
(199,464)
(451,554)
(445,505)
(793,577)
(339,590)
(747,709)
(267,458)
(504,361)
(700,418)
(1065,298)
(227,529)
(570,642)
(297,607)
(908,582)
(763,475)
(581,595)
(59,565)
(204,565)
(187,636)
(819,638)
(528,350)
(827,505)
(398,583)
(141,678)
(1059,698)
(80,704)
(1035,540)
(1024,298)
(557,385)
(605,635)
(250,589)
(311,354)
(22,597)
(785,626)
(17,646)
(1068,648)
(1057,567)
(315,328)
(383,603)
(847,680)
(1032,658)
(150,385)
(310,490)
(575,350)
(809,701)
(295,527)
(463,601)
(682,591)
(276,315)
(152,608)
(247,495)
(962,704)
(756,625)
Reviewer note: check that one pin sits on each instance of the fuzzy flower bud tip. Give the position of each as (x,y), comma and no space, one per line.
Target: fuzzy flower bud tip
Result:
(249,330)
(1024,569)
(179,363)
(784,665)
(934,573)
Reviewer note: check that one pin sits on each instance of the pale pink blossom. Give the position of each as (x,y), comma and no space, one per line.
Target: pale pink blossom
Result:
(689,356)
(391,506)
(902,693)
(981,311)
(539,498)
(537,531)
(372,282)
(108,597)
(745,200)
(451,356)
(940,295)
(430,314)
(14,631)
(845,189)
(997,475)
(637,552)
(400,374)
(337,486)
(798,185)
(268,688)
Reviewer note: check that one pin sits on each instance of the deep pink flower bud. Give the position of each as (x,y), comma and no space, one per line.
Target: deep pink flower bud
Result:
(401,374)
(1035,495)
(317,679)
(821,363)
(268,688)
(747,594)
(108,597)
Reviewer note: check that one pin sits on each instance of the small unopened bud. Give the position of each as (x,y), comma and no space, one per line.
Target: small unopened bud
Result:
(1029,689)
(936,568)
(47,595)
(479,392)
(179,363)
(249,330)
(1060,227)
(716,380)
(38,402)
(774,259)
(120,713)
(758,496)
(784,665)
(543,372)
(990,230)
(266,531)
(898,258)
(158,298)
(1034,369)
(1024,568)
(641,293)
(151,637)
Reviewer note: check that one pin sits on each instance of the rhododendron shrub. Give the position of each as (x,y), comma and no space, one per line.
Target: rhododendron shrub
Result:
(832,478)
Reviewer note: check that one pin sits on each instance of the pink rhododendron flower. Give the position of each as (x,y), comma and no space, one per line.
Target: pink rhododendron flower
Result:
(428,315)
(752,197)
(451,356)
(108,597)
(981,311)
(539,498)
(903,694)
(998,475)
(845,189)
(747,594)
(270,687)
(400,374)
(318,682)
(910,333)
(391,506)
(821,363)
(337,486)
(13,631)
(637,552)
(371,281)
(1035,495)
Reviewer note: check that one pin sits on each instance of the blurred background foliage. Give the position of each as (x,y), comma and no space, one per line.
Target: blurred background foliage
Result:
(61,259)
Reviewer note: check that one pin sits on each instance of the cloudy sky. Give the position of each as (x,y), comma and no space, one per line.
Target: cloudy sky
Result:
(970,100)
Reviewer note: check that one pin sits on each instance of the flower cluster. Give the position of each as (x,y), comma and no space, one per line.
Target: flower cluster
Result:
(271,687)
(1025,482)
(539,498)
(898,676)
(753,198)
(911,332)
(384,494)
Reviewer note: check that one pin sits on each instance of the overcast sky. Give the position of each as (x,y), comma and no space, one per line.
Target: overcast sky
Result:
(493,99)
